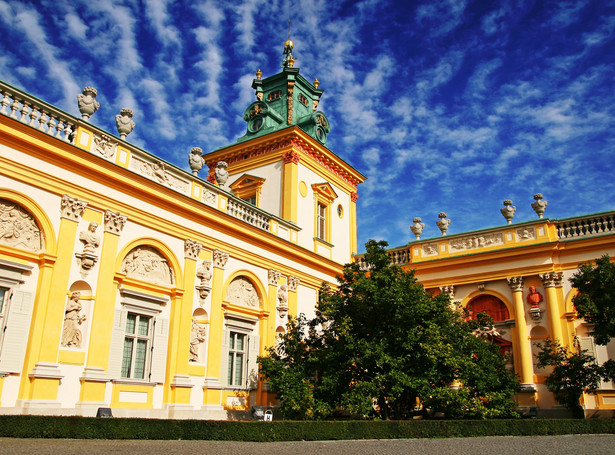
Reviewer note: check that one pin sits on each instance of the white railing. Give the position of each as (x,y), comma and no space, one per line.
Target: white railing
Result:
(399,256)
(44,117)
(248,213)
(586,226)
(36,113)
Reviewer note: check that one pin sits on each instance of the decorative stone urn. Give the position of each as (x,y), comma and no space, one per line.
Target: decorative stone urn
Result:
(508,211)
(539,206)
(417,227)
(124,122)
(221,173)
(196,160)
(443,223)
(87,102)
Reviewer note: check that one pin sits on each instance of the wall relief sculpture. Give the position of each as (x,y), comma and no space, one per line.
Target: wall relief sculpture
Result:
(476,241)
(282,301)
(204,274)
(91,241)
(198,334)
(158,172)
(18,227)
(147,264)
(242,292)
(71,333)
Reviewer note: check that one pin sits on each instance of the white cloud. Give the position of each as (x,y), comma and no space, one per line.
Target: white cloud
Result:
(76,27)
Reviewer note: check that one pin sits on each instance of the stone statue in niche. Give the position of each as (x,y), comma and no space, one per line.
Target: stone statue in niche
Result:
(197,336)
(91,241)
(242,292)
(534,297)
(71,334)
(282,301)
(18,227)
(146,263)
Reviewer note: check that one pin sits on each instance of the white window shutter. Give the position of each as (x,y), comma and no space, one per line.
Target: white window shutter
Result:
(117,344)
(586,344)
(253,349)
(159,352)
(16,332)
(224,360)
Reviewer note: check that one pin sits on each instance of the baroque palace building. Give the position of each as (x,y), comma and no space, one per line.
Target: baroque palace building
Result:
(518,274)
(131,284)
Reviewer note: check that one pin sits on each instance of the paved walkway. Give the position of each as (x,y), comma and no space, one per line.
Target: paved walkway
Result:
(501,445)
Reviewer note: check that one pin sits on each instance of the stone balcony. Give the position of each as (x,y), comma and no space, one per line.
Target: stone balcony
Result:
(508,236)
(61,126)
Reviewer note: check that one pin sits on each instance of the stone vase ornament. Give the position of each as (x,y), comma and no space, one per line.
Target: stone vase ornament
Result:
(87,102)
(124,122)
(443,223)
(539,206)
(221,173)
(417,227)
(508,212)
(195,159)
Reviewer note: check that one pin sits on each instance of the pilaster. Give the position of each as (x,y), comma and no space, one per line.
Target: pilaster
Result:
(354,197)
(290,186)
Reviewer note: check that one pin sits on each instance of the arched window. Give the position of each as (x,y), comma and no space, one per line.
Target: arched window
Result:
(489,304)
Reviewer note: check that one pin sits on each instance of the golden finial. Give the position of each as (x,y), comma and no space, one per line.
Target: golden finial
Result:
(291,62)
(316,82)
(259,74)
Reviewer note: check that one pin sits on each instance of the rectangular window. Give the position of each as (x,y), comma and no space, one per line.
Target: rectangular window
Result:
(251,199)
(236,358)
(4,294)
(137,343)
(321,222)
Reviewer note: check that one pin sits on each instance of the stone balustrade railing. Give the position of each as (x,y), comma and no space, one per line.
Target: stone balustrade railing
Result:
(44,117)
(399,256)
(248,213)
(586,226)
(36,113)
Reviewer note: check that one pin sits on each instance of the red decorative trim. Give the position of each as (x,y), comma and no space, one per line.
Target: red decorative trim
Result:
(291,157)
(354,197)
(211,178)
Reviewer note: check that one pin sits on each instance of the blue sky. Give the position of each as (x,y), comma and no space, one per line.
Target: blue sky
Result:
(451,105)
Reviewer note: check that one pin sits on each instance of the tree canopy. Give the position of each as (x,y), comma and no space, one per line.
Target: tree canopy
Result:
(380,345)
(595,301)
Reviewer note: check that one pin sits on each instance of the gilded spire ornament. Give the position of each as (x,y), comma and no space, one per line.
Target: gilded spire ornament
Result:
(316,82)
(259,74)
(288,61)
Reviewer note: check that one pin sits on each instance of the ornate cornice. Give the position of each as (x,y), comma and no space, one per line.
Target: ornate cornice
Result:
(515,283)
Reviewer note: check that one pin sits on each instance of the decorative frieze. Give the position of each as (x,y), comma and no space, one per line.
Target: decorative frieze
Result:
(72,208)
(526,233)
(114,222)
(105,146)
(476,241)
(515,283)
(551,279)
(147,264)
(192,248)
(274,277)
(291,157)
(157,171)
(242,292)
(430,249)
(293,283)
(354,196)
(220,259)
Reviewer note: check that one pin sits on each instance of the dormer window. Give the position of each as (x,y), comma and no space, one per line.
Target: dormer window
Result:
(274,95)
(248,187)
(303,99)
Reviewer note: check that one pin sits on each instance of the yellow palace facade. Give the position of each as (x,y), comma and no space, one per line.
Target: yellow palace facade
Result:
(131,284)
(518,274)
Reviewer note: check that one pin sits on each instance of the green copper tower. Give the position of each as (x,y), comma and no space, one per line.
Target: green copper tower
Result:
(286,99)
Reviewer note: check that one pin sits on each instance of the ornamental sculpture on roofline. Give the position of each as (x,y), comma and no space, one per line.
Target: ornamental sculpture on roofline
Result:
(539,206)
(195,160)
(87,102)
(417,227)
(124,122)
(508,212)
(443,223)
(221,173)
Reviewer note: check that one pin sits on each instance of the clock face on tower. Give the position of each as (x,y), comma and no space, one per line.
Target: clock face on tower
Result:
(255,123)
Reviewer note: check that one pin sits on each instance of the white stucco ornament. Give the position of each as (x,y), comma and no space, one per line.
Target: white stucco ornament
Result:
(87,102)
(124,122)
(417,227)
(443,223)
(508,212)
(539,206)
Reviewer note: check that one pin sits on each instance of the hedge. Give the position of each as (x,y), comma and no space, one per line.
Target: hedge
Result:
(284,430)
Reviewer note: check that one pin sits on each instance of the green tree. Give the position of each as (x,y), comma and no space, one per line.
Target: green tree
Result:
(380,337)
(595,301)
(573,373)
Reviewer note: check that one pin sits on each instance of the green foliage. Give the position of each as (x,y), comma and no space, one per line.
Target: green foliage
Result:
(595,301)
(381,337)
(573,373)
(286,430)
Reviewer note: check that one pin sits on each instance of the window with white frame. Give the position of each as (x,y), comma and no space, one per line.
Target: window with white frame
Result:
(137,346)
(236,358)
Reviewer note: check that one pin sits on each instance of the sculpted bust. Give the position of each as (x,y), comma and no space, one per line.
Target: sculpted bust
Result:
(89,238)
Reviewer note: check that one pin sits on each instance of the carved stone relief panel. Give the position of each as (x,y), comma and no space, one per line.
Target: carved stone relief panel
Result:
(18,228)
(147,264)
(209,197)
(158,172)
(527,233)
(198,336)
(476,241)
(242,292)
(430,249)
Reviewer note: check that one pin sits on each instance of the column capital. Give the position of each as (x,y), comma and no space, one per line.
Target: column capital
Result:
(293,282)
(72,208)
(192,248)
(114,222)
(274,276)
(515,283)
(220,259)
(551,279)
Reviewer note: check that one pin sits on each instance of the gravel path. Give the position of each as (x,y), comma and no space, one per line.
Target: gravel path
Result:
(500,445)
